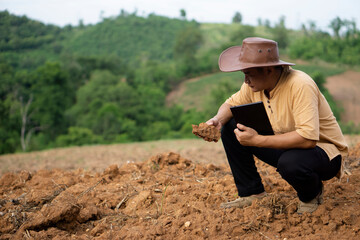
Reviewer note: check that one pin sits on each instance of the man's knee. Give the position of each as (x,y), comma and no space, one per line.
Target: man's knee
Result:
(290,165)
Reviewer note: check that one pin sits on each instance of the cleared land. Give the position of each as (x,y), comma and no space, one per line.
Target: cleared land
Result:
(166,196)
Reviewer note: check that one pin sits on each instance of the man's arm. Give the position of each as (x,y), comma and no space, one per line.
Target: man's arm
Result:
(223,116)
(249,137)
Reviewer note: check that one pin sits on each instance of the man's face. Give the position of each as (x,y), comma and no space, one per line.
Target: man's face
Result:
(256,78)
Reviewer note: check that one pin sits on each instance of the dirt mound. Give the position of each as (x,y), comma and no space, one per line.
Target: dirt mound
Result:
(167,197)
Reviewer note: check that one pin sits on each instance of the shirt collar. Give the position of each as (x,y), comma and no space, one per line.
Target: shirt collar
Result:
(283,76)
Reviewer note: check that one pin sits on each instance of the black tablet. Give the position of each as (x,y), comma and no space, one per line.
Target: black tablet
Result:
(253,115)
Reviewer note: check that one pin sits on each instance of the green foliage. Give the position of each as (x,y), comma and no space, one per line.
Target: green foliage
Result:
(280,33)
(216,35)
(189,117)
(342,48)
(182,13)
(220,92)
(108,120)
(156,130)
(127,36)
(336,25)
(52,96)
(237,18)
(187,43)
(9,131)
(18,33)
(350,128)
(105,96)
(77,136)
(242,32)
(155,73)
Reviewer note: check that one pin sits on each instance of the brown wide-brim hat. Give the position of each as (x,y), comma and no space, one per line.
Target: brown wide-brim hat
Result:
(254,52)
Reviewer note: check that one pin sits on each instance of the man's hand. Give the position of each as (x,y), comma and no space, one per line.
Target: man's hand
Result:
(249,137)
(246,135)
(214,122)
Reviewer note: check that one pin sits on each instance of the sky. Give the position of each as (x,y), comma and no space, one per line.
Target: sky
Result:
(63,12)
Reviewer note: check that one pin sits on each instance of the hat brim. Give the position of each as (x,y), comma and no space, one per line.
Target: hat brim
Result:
(229,61)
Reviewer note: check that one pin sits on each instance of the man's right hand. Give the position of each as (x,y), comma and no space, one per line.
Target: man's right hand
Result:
(214,122)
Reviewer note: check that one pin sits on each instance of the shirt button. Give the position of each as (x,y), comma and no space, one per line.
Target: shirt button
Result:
(268,101)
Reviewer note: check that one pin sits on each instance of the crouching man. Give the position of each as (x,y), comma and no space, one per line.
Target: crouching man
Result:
(308,145)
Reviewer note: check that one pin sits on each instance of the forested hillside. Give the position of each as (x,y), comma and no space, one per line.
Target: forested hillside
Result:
(100,83)
(127,36)
(107,83)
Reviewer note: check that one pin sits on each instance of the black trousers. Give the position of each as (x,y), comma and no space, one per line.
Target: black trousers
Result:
(303,169)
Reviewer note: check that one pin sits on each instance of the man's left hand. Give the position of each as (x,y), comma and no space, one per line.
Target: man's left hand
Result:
(246,135)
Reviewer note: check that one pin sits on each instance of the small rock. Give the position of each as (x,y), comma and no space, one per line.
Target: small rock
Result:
(187,224)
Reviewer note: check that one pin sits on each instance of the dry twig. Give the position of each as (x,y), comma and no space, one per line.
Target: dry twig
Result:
(121,202)
(90,188)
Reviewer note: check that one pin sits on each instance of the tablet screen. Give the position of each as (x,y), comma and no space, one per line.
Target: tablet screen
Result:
(253,115)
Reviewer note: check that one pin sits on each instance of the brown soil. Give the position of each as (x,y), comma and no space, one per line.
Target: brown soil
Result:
(208,133)
(345,88)
(168,196)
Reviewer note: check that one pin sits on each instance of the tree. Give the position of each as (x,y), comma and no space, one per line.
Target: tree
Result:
(9,126)
(237,18)
(25,118)
(104,105)
(187,43)
(336,25)
(267,23)
(350,26)
(109,121)
(281,33)
(183,13)
(81,24)
(52,96)
(243,31)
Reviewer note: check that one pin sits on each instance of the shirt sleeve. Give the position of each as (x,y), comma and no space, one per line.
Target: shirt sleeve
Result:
(241,97)
(306,109)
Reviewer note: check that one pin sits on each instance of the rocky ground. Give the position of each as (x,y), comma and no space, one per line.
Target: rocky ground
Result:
(169,196)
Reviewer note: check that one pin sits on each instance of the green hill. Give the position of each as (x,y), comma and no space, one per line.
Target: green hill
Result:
(128,36)
(25,43)
(108,82)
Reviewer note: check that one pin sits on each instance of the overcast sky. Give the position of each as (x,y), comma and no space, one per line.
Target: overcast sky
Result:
(63,12)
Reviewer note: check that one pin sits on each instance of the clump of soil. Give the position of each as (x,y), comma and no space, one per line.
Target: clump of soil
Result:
(208,133)
(168,197)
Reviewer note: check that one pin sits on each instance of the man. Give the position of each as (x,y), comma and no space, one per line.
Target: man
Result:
(308,145)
